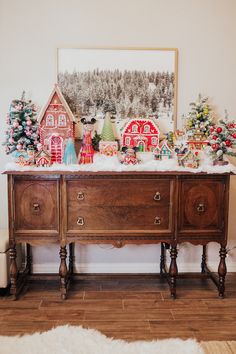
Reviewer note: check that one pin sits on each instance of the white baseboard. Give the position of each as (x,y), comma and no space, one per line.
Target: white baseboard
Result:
(129,268)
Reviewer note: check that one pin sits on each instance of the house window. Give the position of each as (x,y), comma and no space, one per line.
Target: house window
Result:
(135,128)
(146,129)
(49,120)
(154,141)
(127,141)
(62,120)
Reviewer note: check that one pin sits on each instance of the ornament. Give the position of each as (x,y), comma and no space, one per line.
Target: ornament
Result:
(19,147)
(219,130)
(29,122)
(16,124)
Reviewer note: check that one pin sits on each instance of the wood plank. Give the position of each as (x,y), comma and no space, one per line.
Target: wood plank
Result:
(124,309)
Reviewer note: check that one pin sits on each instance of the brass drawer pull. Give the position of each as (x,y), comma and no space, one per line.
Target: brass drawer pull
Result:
(157,220)
(36,207)
(157,196)
(80,196)
(201,208)
(80,221)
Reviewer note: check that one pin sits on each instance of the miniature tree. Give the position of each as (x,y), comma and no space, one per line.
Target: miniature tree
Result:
(95,140)
(69,156)
(222,138)
(107,131)
(22,133)
(108,145)
(199,118)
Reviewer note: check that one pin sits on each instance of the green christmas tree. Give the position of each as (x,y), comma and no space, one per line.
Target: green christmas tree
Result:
(22,133)
(107,131)
(199,118)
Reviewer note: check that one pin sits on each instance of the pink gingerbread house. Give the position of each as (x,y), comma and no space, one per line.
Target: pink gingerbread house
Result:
(57,124)
(142,133)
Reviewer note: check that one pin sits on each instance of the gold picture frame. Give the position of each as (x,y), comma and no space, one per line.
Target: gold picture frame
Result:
(133,81)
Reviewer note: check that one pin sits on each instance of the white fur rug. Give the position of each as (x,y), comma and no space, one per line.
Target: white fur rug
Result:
(77,340)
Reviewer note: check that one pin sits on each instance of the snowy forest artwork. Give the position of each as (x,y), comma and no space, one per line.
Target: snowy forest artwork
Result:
(125,82)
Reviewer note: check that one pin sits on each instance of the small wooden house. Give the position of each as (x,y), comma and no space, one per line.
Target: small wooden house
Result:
(190,160)
(162,152)
(56,125)
(142,133)
(198,141)
(42,159)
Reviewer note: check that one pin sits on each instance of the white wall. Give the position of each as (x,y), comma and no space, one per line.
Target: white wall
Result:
(203,31)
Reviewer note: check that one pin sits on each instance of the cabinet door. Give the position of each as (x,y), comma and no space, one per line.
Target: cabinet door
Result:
(201,208)
(36,206)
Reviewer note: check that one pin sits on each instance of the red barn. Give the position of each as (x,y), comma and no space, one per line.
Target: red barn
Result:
(57,124)
(141,132)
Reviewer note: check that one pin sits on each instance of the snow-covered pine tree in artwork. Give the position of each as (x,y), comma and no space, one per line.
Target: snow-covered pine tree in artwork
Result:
(22,133)
(69,156)
(108,145)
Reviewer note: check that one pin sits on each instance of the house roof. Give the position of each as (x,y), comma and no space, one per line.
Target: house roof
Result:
(164,145)
(188,154)
(139,120)
(57,90)
(42,153)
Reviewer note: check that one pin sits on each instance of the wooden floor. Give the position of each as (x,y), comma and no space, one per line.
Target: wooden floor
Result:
(129,307)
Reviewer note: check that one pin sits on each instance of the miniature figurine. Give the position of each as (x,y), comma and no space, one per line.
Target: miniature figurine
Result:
(129,156)
(87,151)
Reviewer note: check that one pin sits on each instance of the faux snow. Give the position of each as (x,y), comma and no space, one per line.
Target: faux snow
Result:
(104,163)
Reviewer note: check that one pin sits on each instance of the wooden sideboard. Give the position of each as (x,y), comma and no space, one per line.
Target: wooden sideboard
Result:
(118,208)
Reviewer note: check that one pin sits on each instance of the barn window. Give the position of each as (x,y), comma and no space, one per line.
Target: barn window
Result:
(135,128)
(49,120)
(62,120)
(154,141)
(146,128)
(127,141)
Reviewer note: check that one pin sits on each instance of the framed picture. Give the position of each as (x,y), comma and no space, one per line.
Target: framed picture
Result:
(137,82)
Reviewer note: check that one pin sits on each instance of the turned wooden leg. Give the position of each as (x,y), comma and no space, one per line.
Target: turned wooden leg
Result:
(173,271)
(162,259)
(63,271)
(28,258)
(13,272)
(222,270)
(204,258)
(71,258)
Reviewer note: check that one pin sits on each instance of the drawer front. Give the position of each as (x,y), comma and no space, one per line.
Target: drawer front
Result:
(112,218)
(36,205)
(201,206)
(118,192)
(130,205)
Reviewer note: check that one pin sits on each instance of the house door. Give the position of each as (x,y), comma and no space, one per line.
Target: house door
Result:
(56,149)
(141,146)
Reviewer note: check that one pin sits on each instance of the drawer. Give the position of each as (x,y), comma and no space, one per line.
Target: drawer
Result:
(119,218)
(200,206)
(36,205)
(118,192)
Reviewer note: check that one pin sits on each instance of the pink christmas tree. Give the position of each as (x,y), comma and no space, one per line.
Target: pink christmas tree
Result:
(22,133)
